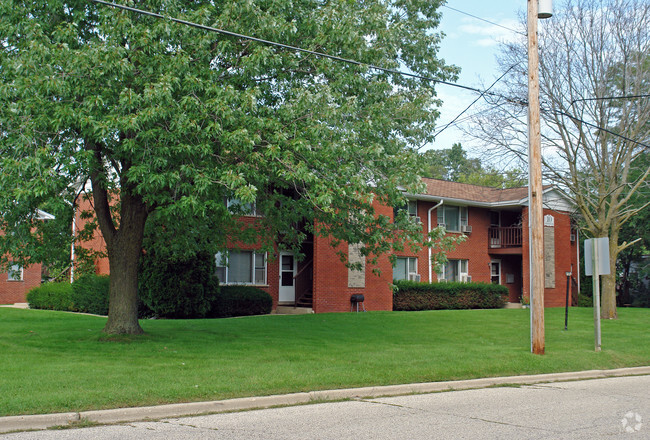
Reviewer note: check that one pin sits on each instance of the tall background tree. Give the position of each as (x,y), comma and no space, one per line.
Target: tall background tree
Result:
(454,165)
(590,52)
(167,120)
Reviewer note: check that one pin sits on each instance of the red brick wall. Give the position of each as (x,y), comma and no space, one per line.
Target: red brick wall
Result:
(565,256)
(15,291)
(97,242)
(331,291)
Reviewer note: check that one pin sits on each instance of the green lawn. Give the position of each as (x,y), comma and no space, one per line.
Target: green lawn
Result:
(55,362)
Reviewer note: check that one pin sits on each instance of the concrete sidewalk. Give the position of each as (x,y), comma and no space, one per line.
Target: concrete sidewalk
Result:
(124,415)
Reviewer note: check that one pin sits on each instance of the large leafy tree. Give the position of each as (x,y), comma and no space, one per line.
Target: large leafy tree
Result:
(169,120)
(594,83)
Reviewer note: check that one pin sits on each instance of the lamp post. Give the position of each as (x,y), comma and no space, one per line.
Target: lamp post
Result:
(536,225)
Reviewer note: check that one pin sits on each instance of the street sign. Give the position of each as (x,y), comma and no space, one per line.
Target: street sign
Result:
(602,254)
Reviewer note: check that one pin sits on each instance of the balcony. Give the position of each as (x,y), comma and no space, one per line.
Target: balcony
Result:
(505,240)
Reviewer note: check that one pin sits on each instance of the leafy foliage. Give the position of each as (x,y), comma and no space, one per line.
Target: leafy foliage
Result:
(51,296)
(184,288)
(453,164)
(177,119)
(241,301)
(90,294)
(410,295)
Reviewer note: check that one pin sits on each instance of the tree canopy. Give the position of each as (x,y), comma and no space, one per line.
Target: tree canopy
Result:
(454,165)
(176,119)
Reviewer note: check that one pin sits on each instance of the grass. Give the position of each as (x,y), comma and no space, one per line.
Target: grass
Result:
(57,362)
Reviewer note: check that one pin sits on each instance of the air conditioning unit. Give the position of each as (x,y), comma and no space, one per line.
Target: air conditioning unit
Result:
(414,277)
(463,278)
(573,237)
(442,225)
(467,229)
(417,220)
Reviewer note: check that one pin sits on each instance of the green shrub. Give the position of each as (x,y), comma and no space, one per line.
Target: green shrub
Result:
(241,301)
(51,296)
(90,294)
(182,289)
(410,295)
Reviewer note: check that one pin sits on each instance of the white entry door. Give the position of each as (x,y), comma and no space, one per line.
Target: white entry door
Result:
(495,271)
(288,266)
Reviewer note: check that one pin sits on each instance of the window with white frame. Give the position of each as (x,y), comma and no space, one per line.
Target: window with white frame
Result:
(452,217)
(454,270)
(405,268)
(15,273)
(241,267)
(236,206)
(411,206)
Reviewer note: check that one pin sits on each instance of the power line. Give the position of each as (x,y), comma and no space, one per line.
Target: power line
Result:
(483,19)
(479,97)
(286,46)
(482,93)
(610,97)
(597,127)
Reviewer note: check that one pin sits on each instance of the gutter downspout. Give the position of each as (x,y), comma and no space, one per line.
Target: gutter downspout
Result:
(429,225)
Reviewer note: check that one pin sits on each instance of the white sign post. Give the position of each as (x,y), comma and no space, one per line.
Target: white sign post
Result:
(597,264)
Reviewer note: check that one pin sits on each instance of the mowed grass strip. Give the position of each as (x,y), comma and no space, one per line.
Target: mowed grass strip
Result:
(57,362)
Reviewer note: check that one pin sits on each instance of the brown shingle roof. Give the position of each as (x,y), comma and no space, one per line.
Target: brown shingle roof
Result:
(474,193)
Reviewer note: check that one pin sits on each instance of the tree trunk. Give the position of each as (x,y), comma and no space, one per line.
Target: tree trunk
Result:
(124,250)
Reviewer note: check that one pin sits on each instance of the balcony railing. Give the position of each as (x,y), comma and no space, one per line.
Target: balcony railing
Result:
(506,237)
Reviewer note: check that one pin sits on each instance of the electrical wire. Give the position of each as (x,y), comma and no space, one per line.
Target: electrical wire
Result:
(610,97)
(479,97)
(482,93)
(483,19)
(286,46)
(597,127)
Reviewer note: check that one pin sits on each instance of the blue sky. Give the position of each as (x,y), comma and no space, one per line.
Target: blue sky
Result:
(472,45)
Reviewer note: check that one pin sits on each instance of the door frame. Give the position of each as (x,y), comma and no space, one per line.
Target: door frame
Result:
(288,291)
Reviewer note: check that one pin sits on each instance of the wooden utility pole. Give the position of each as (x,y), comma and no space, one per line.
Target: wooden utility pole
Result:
(536,240)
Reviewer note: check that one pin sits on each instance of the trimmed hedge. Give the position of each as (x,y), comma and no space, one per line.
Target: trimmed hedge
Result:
(241,301)
(51,296)
(410,295)
(90,294)
(178,289)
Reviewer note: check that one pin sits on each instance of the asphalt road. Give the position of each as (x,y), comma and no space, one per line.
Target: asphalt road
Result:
(612,408)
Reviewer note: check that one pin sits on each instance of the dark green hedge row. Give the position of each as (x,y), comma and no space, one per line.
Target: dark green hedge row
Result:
(241,301)
(88,294)
(51,296)
(410,295)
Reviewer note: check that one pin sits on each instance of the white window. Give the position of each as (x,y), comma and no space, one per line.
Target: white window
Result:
(241,267)
(452,217)
(454,270)
(15,273)
(236,206)
(411,206)
(405,268)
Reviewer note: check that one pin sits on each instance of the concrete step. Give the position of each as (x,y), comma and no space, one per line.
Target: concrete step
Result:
(510,305)
(291,310)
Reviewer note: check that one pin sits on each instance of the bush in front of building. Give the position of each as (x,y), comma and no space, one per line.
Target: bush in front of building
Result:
(90,294)
(237,300)
(179,289)
(410,296)
(51,296)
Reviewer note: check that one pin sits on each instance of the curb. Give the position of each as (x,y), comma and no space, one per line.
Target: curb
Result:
(123,415)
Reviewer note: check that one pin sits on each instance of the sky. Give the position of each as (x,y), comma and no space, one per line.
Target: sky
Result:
(472,45)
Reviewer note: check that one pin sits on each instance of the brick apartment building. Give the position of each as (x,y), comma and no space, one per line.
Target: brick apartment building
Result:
(18,280)
(495,251)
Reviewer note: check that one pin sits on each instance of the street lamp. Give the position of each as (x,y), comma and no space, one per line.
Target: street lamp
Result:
(536,236)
